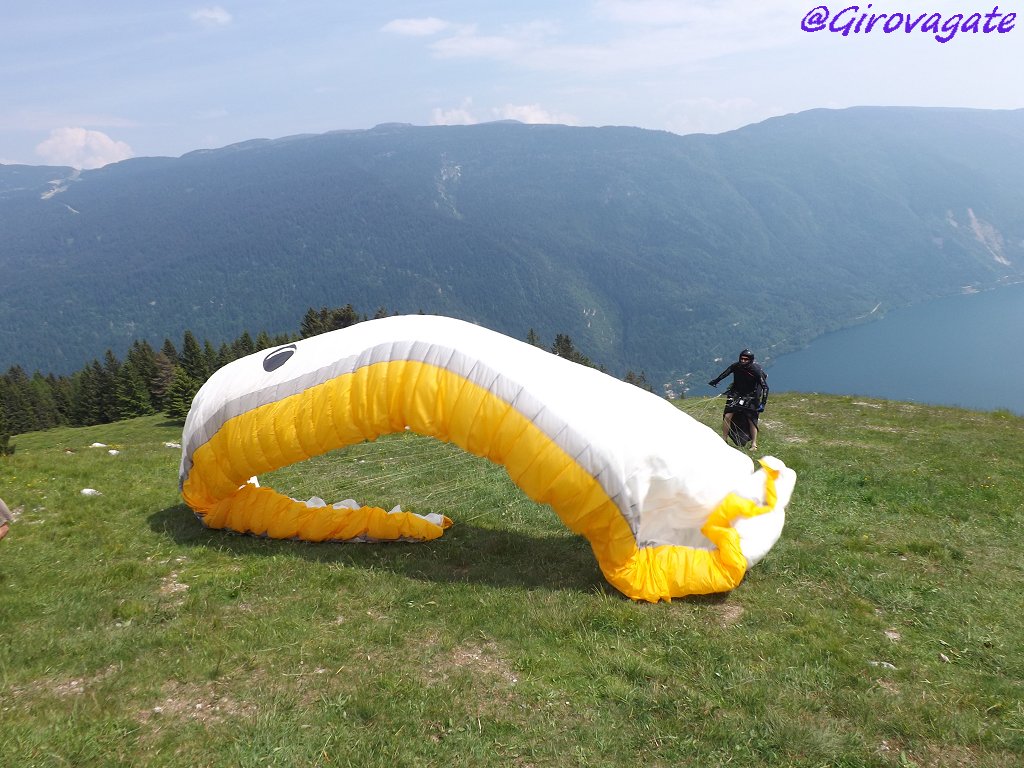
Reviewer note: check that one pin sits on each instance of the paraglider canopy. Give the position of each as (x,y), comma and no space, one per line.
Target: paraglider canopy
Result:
(668,508)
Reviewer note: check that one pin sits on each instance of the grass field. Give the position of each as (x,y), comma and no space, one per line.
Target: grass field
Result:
(884,629)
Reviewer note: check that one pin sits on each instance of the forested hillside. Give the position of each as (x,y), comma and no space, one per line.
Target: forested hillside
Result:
(654,251)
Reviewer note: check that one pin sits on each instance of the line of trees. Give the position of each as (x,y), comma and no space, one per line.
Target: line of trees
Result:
(563,347)
(147,381)
(150,381)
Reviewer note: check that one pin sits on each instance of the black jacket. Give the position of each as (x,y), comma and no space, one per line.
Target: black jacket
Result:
(747,379)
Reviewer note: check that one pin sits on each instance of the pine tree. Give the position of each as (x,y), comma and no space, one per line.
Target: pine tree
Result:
(15,402)
(563,347)
(133,398)
(140,369)
(244,345)
(316,322)
(180,394)
(210,357)
(86,403)
(60,386)
(27,404)
(170,351)
(160,383)
(192,359)
(639,380)
(225,355)
(44,406)
(313,323)
(346,316)
(110,374)
(142,358)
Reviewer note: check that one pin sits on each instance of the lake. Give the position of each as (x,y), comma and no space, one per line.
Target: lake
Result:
(964,350)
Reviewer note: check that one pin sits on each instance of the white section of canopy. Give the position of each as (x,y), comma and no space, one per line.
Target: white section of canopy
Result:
(664,469)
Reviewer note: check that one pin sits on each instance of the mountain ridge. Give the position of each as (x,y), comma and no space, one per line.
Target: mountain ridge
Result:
(653,251)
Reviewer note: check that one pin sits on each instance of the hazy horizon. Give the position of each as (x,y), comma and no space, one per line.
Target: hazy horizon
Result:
(89,85)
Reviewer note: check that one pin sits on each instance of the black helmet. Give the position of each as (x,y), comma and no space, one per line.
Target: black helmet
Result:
(747,353)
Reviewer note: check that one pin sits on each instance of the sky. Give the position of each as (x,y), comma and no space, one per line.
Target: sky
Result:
(89,83)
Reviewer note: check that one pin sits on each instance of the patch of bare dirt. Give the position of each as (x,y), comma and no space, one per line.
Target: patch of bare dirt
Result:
(494,679)
(483,660)
(197,702)
(887,685)
(172,587)
(61,688)
(727,614)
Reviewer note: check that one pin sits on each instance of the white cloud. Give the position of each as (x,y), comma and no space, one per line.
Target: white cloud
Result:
(213,16)
(654,12)
(637,36)
(714,115)
(81,148)
(512,42)
(533,113)
(461,115)
(416,27)
(702,14)
(464,114)
(472,46)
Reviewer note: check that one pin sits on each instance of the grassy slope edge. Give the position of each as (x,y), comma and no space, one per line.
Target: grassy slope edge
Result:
(883,630)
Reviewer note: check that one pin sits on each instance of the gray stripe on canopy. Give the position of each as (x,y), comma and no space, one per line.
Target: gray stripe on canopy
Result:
(500,385)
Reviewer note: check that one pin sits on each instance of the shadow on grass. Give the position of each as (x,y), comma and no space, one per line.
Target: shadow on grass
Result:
(465,554)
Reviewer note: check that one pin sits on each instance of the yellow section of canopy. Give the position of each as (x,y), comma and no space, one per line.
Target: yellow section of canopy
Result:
(389,396)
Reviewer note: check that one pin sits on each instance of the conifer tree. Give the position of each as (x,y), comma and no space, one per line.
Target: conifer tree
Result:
(160,383)
(60,386)
(16,401)
(244,345)
(343,317)
(639,380)
(312,323)
(210,356)
(87,404)
(563,347)
(133,398)
(142,358)
(180,394)
(225,354)
(44,407)
(3,406)
(192,359)
(170,351)
(316,322)
(283,338)
(110,374)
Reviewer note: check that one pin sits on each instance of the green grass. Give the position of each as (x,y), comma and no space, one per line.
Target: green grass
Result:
(884,629)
